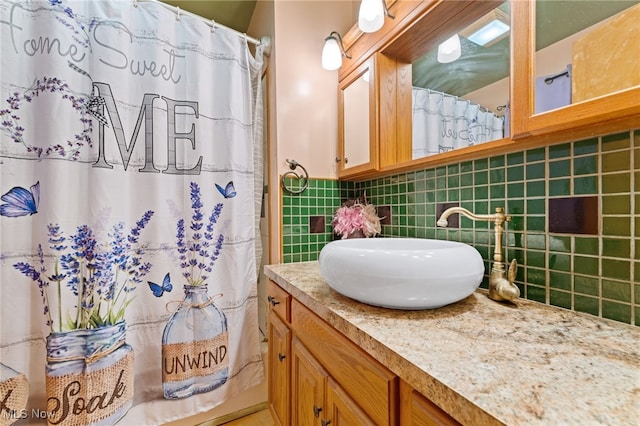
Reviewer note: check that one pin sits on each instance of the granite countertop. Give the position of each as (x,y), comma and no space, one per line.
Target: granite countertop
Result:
(491,363)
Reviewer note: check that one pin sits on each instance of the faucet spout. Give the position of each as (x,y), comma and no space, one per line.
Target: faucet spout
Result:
(500,288)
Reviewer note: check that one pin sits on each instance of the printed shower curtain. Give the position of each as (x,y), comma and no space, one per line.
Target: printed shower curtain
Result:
(442,122)
(130,155)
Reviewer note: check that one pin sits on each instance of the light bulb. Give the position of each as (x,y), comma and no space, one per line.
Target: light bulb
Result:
(371,16)
(331,54)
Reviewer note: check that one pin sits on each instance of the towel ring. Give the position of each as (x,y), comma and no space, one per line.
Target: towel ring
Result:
(293,165)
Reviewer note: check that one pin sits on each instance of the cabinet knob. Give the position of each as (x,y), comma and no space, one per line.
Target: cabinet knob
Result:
(281,357)
(338,159)
(273,301)
(316,411)
(346,160)
(325,422)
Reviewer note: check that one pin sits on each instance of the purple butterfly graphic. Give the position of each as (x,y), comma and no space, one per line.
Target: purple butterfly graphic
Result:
(20,202)
(229,191)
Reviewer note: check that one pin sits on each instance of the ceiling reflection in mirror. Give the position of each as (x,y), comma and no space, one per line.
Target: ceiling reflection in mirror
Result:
(462,102)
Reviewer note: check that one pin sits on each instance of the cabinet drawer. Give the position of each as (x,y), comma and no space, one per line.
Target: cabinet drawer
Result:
(279,301)
(371,385)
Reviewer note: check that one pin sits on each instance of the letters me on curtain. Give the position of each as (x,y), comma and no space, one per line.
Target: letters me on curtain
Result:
(128,182)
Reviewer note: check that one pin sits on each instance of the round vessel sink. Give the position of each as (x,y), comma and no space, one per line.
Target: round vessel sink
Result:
(402,273)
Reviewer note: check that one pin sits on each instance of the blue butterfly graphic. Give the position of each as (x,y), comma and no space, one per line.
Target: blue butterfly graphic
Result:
(20,202)
(229,191)
(158,290)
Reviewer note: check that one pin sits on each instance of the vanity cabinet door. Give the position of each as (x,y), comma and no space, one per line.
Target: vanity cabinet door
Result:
(342,410)
(308,383)
(357,122)
(279,374)
(601,87)
(417,410)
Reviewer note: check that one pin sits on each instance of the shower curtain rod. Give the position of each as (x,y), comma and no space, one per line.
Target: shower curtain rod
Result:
(210,22)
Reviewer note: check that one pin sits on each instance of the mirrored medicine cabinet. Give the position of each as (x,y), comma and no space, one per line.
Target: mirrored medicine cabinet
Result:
(430,108)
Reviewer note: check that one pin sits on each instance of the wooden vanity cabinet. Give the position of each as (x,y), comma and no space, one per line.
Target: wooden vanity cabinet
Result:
(319,377)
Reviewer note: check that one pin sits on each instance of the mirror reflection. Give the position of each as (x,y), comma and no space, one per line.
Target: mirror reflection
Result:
(461,86)
(585,49)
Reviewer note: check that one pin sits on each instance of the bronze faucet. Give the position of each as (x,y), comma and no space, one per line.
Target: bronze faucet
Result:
(501,284)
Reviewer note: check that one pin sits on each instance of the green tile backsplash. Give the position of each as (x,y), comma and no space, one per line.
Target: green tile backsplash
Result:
(597,274)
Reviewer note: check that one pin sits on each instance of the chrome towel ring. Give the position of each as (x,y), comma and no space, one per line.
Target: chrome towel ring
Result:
(304,178)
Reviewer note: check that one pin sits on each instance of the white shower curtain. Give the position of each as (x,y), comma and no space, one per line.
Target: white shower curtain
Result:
(131,176)
(442,122)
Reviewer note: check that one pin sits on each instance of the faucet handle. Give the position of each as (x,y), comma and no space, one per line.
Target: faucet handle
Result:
(513,269)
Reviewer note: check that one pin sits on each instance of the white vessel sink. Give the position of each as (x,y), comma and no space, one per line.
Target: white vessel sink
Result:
(402,273)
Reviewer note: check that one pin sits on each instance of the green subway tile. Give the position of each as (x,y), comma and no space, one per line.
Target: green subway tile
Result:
(536,276)
(560,262)
(481,192)
(636,157)
(497,191)
(453,195)
(481,178)
(585,165)
(636,136)
(620,182)
(585,185)
(466,179)
(636,180)
(515,173)
(585,304)
(535,155)
(496,175)
(558,151)
(535,171)
(441,171)
(515,190)
(466,166)
(515,158)
(431,173)
(515,206)
(559,243)
(536,241)
(637,311)
(586,285)
(497,161)
(558,280)
(453,181)
(616,204)
(617,141)
(517,222)
(587,245)
(588,146)
(482,237)
(558,187)
(453,169)
(616,311)
(536,189)
(441,182)
(535,293)
(636,292)
(616,247)
(616,268)
(561,299)
(559,168)
(466,194)
(535,223)
(480,164)
(536,206)
(620,226)
(616,290)
(536,258)
(585,265)
(616,161)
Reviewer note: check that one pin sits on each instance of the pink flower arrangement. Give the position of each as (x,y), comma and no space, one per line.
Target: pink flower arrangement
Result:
(354,216)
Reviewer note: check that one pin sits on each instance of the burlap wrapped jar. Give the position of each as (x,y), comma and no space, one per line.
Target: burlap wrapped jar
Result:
(14,393)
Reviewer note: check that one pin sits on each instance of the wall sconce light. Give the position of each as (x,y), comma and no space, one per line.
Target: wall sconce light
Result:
(333,51)
(449,50)
(371,15)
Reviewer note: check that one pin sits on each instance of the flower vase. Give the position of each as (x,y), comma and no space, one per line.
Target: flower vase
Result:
(14,392)
(194,346)
(89,376)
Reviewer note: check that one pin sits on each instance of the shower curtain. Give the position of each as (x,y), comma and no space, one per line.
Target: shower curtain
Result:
(131,178)
(442,122)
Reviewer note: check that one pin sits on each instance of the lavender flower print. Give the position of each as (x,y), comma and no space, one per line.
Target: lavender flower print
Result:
(100,275)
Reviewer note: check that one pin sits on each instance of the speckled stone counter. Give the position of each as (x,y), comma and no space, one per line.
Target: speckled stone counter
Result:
(490,363)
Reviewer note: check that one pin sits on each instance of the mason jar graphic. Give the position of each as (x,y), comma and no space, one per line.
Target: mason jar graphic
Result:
(89,376)
(194,346)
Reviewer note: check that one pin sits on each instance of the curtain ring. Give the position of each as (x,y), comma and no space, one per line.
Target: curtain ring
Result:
(213,26)
(177,13)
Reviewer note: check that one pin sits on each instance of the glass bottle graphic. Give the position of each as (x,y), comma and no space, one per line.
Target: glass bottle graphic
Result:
(194,346)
